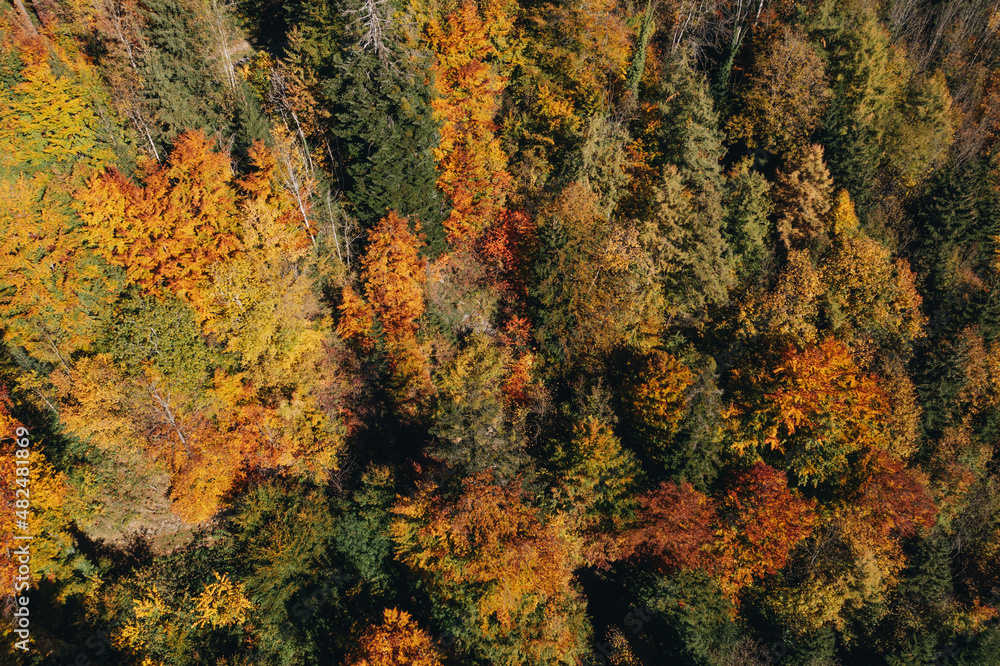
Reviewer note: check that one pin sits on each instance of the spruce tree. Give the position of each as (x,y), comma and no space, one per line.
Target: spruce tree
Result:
(384,132)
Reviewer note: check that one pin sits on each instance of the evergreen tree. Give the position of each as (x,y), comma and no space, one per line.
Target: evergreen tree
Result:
(867,75)
(384,131)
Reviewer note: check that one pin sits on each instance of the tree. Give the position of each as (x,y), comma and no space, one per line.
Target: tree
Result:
(398,641)
(569,64)
(469,417)
(498,568)
(593,280)
(597,481)
(382,119)
(866,288)
(49,117)
(761,521)
(175,78)
(818,411)
(748,206)
(921,139)
(803,196)
(783,99)
(167,233)
(284,533)
(395,276)
(654,398)
(673,530)
(686,247)
(867,73)
(164,622)
(261,302)
(790,312)
(471,163)
(54,288)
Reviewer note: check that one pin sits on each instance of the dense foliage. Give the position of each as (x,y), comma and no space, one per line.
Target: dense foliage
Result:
(507,332)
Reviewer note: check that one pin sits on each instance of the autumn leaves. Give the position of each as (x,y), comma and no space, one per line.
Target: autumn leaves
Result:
(203,254)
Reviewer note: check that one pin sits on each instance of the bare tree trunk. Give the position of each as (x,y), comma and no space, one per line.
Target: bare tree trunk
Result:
(25,18)
(46,12)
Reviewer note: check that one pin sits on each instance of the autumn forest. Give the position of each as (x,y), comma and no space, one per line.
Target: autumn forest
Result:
(513,332)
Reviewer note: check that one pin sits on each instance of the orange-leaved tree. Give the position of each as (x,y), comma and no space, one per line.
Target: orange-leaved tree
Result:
(760,521)
(53,288)
(654,396)
(394,276)
(816,410)
(398,641)
(471,163)
(496,562)
(673,528)
(168,232)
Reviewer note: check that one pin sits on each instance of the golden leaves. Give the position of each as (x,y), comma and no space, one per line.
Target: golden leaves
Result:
(222,603)
(398,641)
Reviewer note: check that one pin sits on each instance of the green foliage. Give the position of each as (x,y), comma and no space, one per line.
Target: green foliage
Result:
(748,208)
(687,248)
(469,418)
(282,536)
(501,442)
(688,620)
(384,130)
(144,332)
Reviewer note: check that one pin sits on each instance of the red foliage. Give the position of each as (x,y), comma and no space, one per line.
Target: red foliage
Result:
(504,248)
(674,528)
(764,520)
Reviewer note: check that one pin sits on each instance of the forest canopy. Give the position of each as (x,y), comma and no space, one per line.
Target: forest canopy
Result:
(439,332)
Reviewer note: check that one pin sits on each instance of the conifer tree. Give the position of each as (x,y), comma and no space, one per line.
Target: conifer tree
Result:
(803,197)
(382,120)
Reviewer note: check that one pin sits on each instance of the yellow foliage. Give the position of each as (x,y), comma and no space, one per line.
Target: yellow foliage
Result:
(222,603)
(398,641)
(656,393)
(790,312)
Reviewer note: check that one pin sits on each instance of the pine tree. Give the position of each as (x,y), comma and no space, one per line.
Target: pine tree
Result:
(867,73)
(385,132)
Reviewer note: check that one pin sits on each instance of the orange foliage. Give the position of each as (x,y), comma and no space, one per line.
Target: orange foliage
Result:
(395,277)
(892,503)
(673,528)
(52,283)
(398,641)
(10,430)
(505,248)
(820,409)
(168,232)
(761,521)
(490,547)
(471,163)
(356,323)
(655,394)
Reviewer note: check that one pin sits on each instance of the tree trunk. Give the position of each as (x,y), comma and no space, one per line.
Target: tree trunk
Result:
(25,19)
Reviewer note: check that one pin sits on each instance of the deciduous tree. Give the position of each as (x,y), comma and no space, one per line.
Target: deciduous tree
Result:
(166,233)
(498,566)
(398,641)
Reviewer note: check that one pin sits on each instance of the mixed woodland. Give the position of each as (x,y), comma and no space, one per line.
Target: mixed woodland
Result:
(436,332)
